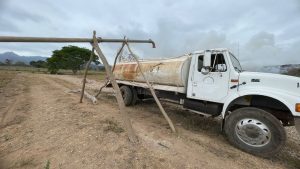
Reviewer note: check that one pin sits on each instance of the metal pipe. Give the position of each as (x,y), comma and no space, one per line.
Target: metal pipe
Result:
(70,40)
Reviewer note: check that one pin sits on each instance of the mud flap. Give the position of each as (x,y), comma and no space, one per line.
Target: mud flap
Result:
(297,124)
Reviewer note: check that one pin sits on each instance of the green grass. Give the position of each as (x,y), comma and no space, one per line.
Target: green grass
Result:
(113,126)
(47,166)
(92,74)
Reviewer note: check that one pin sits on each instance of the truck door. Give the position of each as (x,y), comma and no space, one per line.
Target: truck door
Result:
(212,86)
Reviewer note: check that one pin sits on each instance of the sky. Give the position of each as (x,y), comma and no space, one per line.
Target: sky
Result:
(258,32)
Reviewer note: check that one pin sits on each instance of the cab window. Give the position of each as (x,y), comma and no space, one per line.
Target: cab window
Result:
(200,62)
(218,63)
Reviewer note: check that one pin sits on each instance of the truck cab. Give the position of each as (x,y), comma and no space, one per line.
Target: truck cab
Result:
(255,106)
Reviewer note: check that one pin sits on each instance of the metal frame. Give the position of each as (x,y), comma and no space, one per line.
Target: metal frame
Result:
(70,40)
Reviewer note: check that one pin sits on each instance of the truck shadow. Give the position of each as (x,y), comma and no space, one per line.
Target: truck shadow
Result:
(211,127)
(188,120)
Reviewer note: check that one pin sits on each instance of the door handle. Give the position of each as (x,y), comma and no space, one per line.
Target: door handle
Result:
(221,75)
(234,86)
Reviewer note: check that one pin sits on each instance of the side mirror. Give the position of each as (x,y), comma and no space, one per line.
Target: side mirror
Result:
(207,59)
(221,67)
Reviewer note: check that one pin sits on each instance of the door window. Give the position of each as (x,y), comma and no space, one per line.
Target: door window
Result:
(200,62)
(218,63)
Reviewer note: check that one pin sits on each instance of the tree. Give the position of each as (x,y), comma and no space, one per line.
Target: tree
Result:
(69,57)
(293,72)
(38,64)
(20,63)
(8,62)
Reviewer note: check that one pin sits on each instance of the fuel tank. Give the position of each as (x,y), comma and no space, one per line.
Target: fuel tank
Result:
(173,71)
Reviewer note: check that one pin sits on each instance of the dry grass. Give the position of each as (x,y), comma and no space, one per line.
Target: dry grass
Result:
(23,69)
(6,77)
(98,76)
(100,127)
(24,163)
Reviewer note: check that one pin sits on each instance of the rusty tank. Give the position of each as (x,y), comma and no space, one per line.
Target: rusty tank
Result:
(173,71)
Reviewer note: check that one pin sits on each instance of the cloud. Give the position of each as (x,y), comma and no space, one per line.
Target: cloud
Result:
(261,40)
(265,32)
(7,26)
(11,15)
(263,49)
(2,4)
(23,15)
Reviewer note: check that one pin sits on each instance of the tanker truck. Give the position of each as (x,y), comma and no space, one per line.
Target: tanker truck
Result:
(254,107)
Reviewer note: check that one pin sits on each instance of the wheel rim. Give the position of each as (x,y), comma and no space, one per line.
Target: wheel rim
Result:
(253,132)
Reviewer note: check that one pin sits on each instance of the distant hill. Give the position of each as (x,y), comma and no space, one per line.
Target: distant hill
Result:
(280,69)
(15,57)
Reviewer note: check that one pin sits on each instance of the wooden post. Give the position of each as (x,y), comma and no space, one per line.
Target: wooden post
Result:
(85,73)
(131,135)
(152,91)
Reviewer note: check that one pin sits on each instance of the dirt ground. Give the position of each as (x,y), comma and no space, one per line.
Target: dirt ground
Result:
(44,126)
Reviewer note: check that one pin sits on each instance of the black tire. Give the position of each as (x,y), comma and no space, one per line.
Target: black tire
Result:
(126,94)
(134,96)
(268,131)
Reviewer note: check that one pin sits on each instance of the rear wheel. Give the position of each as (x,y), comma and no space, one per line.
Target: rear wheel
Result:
(134,96)
(255,131)
(126,94)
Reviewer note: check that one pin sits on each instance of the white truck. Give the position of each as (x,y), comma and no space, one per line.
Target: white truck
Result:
(254,106)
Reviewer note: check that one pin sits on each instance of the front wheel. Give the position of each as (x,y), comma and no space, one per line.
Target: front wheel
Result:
(255,131)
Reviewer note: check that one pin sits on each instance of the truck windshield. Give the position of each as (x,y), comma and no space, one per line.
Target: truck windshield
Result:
(236,64)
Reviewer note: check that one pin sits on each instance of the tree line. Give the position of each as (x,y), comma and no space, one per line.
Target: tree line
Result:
(68,57)
(9,62)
